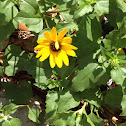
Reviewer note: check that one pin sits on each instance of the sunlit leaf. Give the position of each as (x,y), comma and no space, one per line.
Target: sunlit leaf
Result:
(33,114)
(7,24)
(87,77)
(12,122)
(10,108)
(102,7)
(67,101)
(13,59)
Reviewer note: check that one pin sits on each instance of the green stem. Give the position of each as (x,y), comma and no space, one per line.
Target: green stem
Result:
(56,11)
(46,23)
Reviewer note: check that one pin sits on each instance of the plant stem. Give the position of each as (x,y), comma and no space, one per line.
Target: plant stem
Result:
(46,23)
(56,11)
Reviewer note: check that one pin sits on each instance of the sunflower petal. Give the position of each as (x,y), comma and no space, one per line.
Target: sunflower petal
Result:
(67,40)
(58,59)
(45,55)
(41,52)
(47,35)
(65,58)
(61,35)
(52,60)
(54,34)
(43,40)
(70,53)
(39,47)
(68,46)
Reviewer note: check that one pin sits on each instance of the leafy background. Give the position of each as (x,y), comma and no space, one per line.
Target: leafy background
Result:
(83,83)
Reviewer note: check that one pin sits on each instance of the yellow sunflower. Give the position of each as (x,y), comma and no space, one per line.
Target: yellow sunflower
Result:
(56,47)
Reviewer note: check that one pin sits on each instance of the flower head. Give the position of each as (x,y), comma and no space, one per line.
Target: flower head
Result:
(56,47)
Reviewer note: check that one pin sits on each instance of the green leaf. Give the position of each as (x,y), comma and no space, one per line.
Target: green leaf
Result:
(92,95)
(123,105)
(7,12)
(116,12)
(86,40)
(81,121)
(33,114)
(65,71)
(122,124)
(1,71)
(87,77)
(67,17)
(117,76)
(113,97)
(32,6)
(18,93)
(31,16)
(82,10)
(7,24)
(121,5)
(13,59)
(60,26)
(33,22)
(68,100)
(102,7)
(116,39)
(51,104)
(64,119)
(93,119)
(12,122)
(10,108)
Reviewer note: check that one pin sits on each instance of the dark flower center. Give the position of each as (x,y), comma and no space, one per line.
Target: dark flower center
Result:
(53,48)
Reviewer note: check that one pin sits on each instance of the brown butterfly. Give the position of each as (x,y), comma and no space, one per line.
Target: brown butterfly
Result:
(21,37)
(22,32)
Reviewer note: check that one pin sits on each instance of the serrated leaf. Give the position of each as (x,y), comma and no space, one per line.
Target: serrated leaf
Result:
(18,93)
(113,97)
(87,77)
(82,10)
(12,122)
(33,114)
(67,101)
